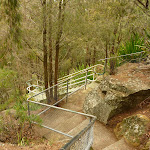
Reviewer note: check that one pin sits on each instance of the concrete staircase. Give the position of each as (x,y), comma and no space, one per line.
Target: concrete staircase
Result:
(72,124)
(119,145)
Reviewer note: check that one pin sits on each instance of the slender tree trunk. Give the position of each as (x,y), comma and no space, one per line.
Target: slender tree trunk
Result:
(112,61)
(106,53)
(94,56)
(50,50)
(87,57)
(89,60)
(45,51)
(62,4)
(112,53)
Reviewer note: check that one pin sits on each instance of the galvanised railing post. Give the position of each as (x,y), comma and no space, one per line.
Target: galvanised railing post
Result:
(86,79)
(140,58)
(93,73)
(28,109)
(67,91)
(29,113)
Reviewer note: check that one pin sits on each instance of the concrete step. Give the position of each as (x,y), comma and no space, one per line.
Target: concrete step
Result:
(55,117)
(102,136)
(79,128)
(119,145)
(63,123)
(70,123)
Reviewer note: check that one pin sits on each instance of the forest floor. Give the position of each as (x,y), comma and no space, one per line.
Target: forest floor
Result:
(31,139)
(143,110)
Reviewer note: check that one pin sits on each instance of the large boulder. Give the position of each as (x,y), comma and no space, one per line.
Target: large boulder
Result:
(117,93)
(133,128)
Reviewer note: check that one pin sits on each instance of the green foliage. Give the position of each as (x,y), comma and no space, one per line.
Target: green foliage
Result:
(21,113)
(17,120)
(135,44)
(147,40)
(8,87)
(22,141)
(83,74)
(80,67)
(34,106)
(1,124)
(13,18)
(22,117)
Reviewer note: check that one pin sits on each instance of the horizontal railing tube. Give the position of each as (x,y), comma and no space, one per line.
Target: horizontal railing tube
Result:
(77,137)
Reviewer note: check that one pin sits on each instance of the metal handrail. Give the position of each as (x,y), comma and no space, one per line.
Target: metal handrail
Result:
(77,137)
(65,97)
(59,108)
(58,84)
(62,84)
(64,81)
(84,70)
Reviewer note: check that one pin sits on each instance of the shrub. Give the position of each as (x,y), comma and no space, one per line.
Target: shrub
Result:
(8,87)
(16,125)
(135,44)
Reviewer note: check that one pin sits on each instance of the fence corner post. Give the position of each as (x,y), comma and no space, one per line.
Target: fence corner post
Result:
(67,91)
(86,79)
(28,109)
(94,73)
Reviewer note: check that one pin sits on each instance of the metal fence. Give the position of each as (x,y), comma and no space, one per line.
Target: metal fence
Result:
(75,129)
(80,129)
(83,140)
(67,85)
(80,134)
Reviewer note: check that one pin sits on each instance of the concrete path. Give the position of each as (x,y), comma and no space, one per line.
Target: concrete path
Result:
(104,139)
(119,145)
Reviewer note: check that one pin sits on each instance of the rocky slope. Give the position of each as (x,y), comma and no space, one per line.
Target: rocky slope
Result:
(117,93)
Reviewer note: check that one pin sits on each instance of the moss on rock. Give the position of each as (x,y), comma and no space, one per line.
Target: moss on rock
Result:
(132,129)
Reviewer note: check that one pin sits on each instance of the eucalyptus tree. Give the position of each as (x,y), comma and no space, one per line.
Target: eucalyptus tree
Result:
(11,41)
(50,47)
(45,52)
(61,17)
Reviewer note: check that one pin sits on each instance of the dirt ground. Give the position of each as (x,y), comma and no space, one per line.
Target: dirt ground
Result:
(133,70)
(143,108)
(44,146)
(31,139)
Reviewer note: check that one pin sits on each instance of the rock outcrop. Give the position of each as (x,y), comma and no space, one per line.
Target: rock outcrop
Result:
(133,129)
(117,93)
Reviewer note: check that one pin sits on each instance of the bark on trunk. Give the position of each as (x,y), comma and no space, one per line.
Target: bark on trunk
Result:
(106,53)
(112,53)
(94,56)
(45,51)
(62,5)
(50,50)
(87,59)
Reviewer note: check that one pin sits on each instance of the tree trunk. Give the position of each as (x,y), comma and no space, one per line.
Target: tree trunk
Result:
(106,56)
(50,50)
(87,57)
(144,5)
(112,62)
(94,56)
(45,51)
(89,60)
(62,5)
(112,53)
